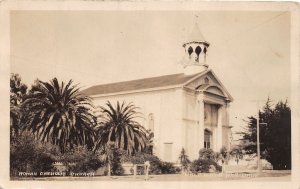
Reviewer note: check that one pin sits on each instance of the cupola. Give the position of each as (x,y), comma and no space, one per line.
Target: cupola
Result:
(195,48)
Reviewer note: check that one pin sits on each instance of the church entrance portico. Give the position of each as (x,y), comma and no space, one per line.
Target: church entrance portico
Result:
(213,124)
(212,118)
(207,129)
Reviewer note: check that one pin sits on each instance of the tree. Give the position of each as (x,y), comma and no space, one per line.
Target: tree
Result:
(118,126)
(184,160)
(59,113)
(275,134)
(17,89)
(17,92)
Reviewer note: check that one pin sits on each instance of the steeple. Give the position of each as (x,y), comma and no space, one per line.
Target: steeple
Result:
(195,35)
(195,47)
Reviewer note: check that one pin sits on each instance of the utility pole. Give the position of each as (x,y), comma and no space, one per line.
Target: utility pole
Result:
(259,170)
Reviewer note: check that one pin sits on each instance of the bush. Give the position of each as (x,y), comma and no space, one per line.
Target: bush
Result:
(30,155)
(85,160)
(203,166)
(156,165)
(207,154)
(168,168)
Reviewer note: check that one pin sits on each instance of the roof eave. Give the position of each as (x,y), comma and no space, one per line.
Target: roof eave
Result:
(136,91)
(200,42)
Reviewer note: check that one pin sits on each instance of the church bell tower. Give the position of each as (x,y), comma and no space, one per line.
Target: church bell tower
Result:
(194,60)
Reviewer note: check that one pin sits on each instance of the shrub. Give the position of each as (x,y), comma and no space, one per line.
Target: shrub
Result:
(168,168)
(207,154)
(203,166)
(85,160)
(224,155)
(156,165)
(30,155)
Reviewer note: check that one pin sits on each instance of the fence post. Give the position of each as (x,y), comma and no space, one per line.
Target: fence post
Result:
(134,171)
(147,166)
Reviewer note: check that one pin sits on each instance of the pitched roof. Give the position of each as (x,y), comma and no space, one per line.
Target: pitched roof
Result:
(147,83)
(195,35)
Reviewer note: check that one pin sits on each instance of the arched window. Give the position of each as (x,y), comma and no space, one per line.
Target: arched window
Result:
(190,50)
(207,139)
(198,50)
(151,122)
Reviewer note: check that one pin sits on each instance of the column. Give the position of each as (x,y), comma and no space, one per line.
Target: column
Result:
(228,130)
(201,121)
(194,131)
(227,110)
(219,128)
(197,130)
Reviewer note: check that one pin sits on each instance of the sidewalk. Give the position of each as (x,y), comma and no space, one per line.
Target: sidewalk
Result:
(266,176)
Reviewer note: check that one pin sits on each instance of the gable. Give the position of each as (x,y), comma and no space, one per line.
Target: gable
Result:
(208,82)
(215,90)
(206,79)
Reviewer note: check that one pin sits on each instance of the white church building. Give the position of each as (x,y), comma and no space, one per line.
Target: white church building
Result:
(188,110)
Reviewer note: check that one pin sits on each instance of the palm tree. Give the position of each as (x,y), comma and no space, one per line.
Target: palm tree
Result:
(118,126)
(60,114)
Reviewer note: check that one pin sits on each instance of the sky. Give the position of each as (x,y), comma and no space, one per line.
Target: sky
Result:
(249,50)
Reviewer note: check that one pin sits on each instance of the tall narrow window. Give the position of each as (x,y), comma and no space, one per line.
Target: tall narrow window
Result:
(211,115)
(190,51)
(205,50)
(207,139)
(151,122)
(197,51)
(168,151)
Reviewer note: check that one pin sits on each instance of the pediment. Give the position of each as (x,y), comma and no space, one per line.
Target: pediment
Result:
(208,82)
